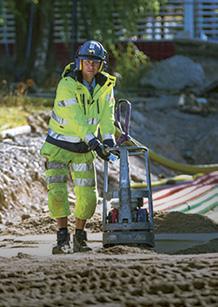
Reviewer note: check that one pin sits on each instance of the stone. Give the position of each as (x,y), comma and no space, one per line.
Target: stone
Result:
(174,75)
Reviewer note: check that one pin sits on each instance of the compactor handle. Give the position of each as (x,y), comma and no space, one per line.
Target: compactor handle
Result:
(125,131)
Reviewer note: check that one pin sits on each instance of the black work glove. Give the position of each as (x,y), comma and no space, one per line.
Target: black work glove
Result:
(110,143)
(97,146)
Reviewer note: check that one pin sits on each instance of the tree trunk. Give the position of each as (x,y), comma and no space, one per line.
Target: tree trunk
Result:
(21,11)
(34,33)
(42,40)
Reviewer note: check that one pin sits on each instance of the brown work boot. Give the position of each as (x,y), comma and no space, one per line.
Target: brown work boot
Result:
(79,242)
(63,242)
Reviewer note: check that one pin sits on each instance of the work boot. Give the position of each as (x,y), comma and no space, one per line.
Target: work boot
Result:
(63,242)
(79,242)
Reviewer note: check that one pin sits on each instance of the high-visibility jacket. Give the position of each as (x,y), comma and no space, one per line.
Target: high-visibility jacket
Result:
(77,115)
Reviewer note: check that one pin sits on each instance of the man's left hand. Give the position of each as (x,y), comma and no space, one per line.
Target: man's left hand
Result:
(109,143)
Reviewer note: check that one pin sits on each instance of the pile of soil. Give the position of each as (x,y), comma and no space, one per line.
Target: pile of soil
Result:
(22,186)
(165,222)
(177,222)
(43,224)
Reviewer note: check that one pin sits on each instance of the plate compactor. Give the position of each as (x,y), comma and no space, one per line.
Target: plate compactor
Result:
(126,220)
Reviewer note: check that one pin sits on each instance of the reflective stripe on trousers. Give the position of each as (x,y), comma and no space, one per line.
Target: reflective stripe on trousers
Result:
(56,179)
(84,182)
(81,167)
(55,165)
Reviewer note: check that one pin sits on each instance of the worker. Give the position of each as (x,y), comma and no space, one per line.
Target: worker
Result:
(81,126)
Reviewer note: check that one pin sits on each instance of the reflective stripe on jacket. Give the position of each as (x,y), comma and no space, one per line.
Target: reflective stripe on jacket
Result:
(77,115)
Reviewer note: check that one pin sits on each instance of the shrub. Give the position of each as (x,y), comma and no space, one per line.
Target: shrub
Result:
(130,64)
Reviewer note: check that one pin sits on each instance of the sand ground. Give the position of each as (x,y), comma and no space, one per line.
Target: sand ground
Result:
(181,271)
(117,276)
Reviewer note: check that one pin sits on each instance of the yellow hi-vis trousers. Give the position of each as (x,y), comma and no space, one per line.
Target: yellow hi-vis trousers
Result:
(61,162)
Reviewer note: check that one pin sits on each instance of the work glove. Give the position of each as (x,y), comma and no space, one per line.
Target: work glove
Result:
(96,145)
(110,143)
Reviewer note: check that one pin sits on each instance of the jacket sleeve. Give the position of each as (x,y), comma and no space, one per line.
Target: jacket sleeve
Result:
(67,106)
(106,125)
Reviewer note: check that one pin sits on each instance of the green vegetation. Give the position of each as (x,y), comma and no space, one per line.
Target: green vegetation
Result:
(11,117)
(34,51)
(131,64)
(15,110)
(110,22)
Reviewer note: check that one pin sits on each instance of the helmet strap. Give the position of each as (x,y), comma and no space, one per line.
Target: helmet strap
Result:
(101,66)
(80,64)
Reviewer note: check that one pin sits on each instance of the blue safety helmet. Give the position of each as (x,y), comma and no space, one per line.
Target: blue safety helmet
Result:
(91,50)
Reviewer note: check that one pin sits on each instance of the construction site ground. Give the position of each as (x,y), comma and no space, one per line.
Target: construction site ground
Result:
(117,276)
(182,269)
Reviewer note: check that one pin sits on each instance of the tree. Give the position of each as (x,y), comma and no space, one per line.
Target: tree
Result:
(33,21)
(100,20)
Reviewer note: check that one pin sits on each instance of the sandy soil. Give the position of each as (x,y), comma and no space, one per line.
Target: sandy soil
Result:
(110,279)
(118,276)
(121,275)
(175,222)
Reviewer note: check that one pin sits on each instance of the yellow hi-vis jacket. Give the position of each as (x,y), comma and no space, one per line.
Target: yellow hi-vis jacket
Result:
(77,114)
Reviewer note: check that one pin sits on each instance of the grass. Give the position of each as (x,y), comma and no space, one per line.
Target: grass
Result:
(14,112)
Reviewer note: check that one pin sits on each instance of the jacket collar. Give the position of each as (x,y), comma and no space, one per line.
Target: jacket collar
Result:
(69,71)
(100,78)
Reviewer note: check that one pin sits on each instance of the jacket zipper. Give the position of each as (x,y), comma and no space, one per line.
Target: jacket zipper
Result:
(83,103)
(97,102)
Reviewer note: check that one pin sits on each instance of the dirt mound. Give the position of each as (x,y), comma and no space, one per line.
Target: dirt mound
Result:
(175,222)
(178,222)
(43,224)
(22,188)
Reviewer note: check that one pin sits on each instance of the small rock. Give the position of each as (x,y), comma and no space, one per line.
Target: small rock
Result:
(25,217)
